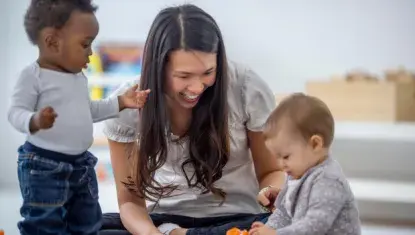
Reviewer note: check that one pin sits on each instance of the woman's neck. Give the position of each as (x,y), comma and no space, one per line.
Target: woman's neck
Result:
(180,118)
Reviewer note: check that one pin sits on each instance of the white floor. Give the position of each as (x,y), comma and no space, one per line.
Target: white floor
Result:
(10,202)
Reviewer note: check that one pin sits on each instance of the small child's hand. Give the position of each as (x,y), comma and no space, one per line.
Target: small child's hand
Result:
(43,119)
(133,99)
(259,228)
(267,196)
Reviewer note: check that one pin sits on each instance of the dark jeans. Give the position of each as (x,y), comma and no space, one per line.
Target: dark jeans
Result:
(198,226)
(60,192)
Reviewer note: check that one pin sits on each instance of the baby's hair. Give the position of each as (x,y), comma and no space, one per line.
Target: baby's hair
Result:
(52,13)
(305,114)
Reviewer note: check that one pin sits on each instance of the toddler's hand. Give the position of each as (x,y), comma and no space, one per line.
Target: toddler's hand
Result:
(259,228)
(133,99)
(43,119)
(267,197)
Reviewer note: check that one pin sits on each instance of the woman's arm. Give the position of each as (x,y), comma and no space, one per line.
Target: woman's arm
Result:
(133,211)
(267,169)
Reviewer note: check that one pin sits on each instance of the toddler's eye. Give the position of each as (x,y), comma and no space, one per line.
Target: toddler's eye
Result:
(285,157)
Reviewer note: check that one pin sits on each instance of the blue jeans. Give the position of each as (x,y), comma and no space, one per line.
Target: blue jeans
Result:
(60,192)
(112,224)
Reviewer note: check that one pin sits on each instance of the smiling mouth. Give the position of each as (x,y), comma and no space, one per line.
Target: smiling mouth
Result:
(190,98)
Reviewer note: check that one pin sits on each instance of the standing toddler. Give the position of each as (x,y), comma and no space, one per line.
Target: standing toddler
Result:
(51,105)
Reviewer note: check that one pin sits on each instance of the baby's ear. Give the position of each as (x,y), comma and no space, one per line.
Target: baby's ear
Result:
(50,39)
(316,142)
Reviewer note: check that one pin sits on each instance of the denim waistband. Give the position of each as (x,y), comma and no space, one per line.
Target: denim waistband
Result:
(56,156)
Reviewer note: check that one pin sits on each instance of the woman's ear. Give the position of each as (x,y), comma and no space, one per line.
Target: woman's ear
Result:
(316,143)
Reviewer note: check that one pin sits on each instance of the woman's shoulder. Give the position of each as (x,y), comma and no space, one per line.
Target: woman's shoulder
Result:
(124,127)
(243,77)
(249,96)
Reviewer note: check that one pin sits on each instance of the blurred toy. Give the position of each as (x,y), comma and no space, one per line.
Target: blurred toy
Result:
(95,70)
(121,58)
(101,172)
(236,231)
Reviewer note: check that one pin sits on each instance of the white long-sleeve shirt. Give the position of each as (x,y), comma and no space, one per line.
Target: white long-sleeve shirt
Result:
(67,94)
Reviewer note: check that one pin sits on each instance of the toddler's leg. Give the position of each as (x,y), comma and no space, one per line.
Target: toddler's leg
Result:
(44,187)
(84,212)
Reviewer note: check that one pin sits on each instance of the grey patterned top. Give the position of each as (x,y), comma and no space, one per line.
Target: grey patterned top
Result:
(322,203)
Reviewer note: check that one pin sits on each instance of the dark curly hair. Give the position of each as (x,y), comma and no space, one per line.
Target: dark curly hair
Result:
(52,13)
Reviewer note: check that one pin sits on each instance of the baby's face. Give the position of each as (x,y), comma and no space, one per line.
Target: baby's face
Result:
(295,154)
(76,40)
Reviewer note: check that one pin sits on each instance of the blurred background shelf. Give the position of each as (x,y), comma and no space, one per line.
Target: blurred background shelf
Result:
(381,131)
(110,80)
(398,131)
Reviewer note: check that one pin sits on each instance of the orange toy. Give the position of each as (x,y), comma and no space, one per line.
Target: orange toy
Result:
(1,232)
(236,231)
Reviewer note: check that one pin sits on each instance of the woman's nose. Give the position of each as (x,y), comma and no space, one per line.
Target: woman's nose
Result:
(196,87)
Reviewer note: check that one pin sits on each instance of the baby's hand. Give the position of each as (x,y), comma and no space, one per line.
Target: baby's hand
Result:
(43,119)
(267,196)
(259,228)
(133,99)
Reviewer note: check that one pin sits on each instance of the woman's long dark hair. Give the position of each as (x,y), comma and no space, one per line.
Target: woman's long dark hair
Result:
(185,27)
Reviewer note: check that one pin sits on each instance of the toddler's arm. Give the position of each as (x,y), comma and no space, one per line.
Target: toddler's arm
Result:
(108,108)
(104,109)
(326,200)
(23,102)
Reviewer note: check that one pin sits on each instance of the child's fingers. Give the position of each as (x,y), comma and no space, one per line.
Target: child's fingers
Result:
(257,224)
(253,231)
(135,87)
(49,112)
(140,105)
(144,93)
(263,199)
(142,96)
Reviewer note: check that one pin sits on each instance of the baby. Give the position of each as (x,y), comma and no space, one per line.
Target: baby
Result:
(51,105)
(316,199)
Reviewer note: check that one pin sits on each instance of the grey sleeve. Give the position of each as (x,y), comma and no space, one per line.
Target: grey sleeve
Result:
(326,200)
(259,100)
(123,128)
(104,109)
(23,101)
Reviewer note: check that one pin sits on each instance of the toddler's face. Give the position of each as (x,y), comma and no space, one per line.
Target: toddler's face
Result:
(295,154)
(76,39)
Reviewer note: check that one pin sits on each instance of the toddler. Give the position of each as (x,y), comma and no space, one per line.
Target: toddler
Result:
(51,104)
(316,198)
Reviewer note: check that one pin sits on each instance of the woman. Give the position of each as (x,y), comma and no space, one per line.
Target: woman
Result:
(193,172)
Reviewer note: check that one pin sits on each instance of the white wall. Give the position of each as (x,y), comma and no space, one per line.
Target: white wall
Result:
(287,42)
(9,140)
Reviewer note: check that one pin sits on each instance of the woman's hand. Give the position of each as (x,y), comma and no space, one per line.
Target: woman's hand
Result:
(267,196)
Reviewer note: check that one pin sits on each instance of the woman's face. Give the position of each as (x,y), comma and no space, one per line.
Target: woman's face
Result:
(189,74)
